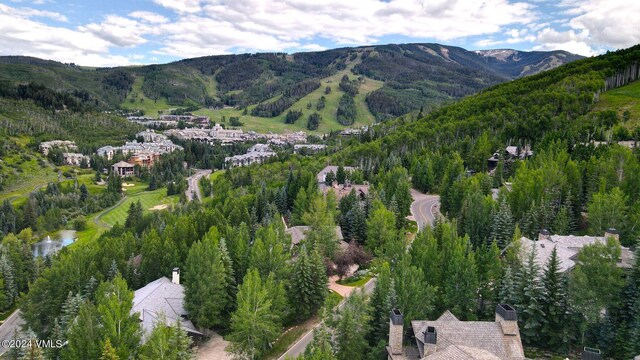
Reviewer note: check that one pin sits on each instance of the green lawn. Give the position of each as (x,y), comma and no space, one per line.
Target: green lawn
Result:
(626,98)
(24,176)
(354,281)
(148,199)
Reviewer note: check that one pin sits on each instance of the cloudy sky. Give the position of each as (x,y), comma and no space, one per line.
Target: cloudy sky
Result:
(121,32)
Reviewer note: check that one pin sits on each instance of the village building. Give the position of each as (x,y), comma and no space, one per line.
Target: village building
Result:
(308,148)
(151,136)
(162,299)
(75,159)
(258,153)
(66,145)
(567,248)
(145,160)
(160,146)
(123,169)
(450,338)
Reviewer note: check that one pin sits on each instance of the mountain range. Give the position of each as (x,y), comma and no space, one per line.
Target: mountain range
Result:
(384,81)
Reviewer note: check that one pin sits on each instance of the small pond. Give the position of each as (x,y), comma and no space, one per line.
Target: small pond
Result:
(52,243)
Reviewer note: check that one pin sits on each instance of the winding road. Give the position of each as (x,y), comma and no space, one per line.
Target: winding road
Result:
(194,189)
(424,208)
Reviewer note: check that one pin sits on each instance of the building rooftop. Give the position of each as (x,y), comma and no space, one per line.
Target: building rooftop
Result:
(323,173)
(470,339)
(299,233)
(161,297)
(567,247)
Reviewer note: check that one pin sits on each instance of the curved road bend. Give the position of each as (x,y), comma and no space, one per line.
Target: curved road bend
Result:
(194,189)
(425,208)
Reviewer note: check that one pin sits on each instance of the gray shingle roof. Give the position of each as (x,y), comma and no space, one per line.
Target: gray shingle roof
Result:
(299,233)
(161,297)
(469,339)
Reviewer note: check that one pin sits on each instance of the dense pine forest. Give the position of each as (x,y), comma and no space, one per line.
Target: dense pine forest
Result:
(244,279)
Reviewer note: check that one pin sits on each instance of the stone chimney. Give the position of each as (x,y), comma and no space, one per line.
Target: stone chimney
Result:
(611,232)
(175,278)
(430,341)
(544,234)
(508,319)
(591,354)
(395,332)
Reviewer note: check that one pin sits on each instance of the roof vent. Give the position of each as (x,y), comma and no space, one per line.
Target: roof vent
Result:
(430,335)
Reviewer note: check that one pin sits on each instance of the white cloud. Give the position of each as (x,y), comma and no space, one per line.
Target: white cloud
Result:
(614,23)
(550,39)
(119,31)
(181,6)
(24,36)
(149,17)
(221,26)
(28,13)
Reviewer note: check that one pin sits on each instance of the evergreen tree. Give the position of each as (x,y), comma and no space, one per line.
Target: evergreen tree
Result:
(503,227)
(341,175)
(114,302)
(383,300)
(134,216)
(531,316)
(307,291)
(254,325)
(206,282)
(555,331)
(152,252)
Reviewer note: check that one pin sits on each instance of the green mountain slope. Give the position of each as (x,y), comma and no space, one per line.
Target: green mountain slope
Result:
(559,104)
(396,79)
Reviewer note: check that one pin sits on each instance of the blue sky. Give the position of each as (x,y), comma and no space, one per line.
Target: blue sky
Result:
(117,32)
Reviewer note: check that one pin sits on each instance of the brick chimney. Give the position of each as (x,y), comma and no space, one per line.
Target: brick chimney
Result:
(591,354)
(395,332)
(508,318)
(544,234)
(430,341)
(611,232)
(175,278)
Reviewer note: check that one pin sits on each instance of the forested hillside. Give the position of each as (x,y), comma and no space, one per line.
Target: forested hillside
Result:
(470,261)
(260,88)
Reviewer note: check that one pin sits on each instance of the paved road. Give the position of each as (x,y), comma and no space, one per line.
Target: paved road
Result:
(12,323)
(424,208)
(299,347)
(193,184)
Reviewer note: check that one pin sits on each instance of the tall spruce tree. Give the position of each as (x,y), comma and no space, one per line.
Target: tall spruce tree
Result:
(207,283)
(531,316)
(502,230)
(308,284)
(555,331)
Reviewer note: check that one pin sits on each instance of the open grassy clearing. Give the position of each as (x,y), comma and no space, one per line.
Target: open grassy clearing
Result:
(148,199)
(136,100)
(626,98)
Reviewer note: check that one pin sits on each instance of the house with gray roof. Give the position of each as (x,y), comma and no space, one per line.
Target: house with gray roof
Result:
(299,233)
(449,338)
(567,248)
(162,299)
